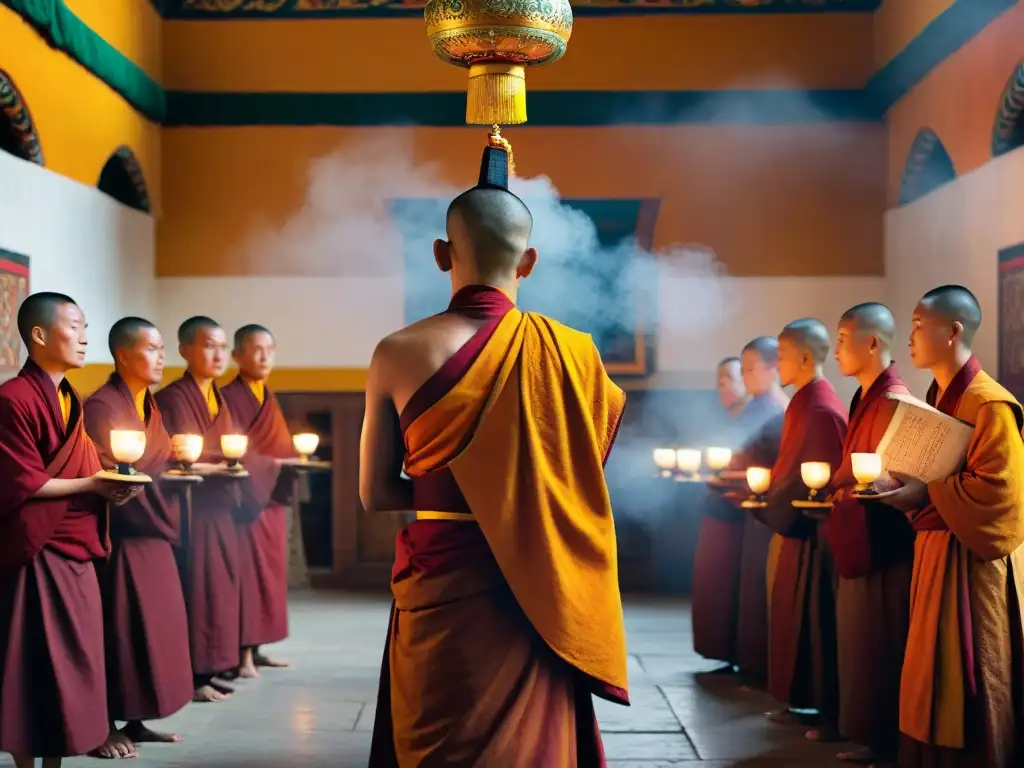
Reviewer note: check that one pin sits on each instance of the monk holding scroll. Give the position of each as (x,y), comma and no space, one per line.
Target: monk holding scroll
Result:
(802,620)
(716,565)
(149,672)
(263,513)
(193,405)
(873,549)
(53,524)
(507,614)
(960,694)
(763,418)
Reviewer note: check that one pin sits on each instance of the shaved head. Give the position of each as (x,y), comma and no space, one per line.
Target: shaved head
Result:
(244,333)
(125,333)
(39,310)
(872,318)
(956,304)
(187,330)
(491,227)
(765,347)
(728,361)
(810,335)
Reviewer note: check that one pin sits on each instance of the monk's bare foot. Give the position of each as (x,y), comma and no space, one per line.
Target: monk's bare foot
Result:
(861,755)
(265,661)
(823,734)
(222,687)
(782,717)
(207,693)
(249,672)
(116,747)
(140,734)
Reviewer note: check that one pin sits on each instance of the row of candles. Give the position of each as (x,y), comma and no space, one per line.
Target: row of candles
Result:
(685,464)
(127,446)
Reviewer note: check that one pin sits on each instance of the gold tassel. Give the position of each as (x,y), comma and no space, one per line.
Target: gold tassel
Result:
(496,140)
(496,94)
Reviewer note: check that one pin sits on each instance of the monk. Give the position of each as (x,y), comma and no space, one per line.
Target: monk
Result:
(801,618)
(716,565)
(53,525)
(149,672)
(193,405)
(873,549)
(960,693)
(507,614)
(267,496)
(762,420)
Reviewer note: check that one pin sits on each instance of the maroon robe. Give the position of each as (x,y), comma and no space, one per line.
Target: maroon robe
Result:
(873,549)
(802,619)
(263,518)
(446,579)
(211,574)
(149,671)
(53,693)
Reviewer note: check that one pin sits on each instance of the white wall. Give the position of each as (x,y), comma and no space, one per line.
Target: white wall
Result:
(80,242)
(954,235)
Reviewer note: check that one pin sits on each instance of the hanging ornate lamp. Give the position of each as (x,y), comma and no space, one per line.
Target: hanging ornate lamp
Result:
(497,40)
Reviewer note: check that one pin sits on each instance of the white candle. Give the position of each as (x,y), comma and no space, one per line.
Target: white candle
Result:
(305,444)
(688,460)
(718,458)
(126,445)
(234,446)
(187,448)
(665,459)
(867,467)
(759,479)
(816,474)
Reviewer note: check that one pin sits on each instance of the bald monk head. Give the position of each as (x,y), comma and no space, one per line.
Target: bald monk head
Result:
(943,327)
(204,346)
(759,365)
(52,327)
(488,240)
(138,351)
(864,341)
(729,382)
(804,346)
(254,351)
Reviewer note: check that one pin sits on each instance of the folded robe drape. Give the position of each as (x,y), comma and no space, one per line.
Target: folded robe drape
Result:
(149,669)
(52,684)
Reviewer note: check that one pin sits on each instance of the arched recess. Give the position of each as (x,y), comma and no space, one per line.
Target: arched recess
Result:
(928,167)
(18,134)
(1008,133)
(122,179)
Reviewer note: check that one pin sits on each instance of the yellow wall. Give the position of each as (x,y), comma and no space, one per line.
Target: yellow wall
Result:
(132,26)
(80,120)
(616,53)
(958,99)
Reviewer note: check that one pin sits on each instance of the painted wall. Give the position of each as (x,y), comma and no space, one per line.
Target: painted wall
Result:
(959,98)
(897,22)
(82,243)
(953,236)
(80,120)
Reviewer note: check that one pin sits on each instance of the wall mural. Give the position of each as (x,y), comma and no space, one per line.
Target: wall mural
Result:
(17,132)
(928,167)
(14,275)
(606,288)
(1011,319)
(313,8)
(1008,133)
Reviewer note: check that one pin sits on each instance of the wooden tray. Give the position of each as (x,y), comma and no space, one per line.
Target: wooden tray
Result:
(177,476)
(805,504)
(748,504)
(135,479)
(217,470)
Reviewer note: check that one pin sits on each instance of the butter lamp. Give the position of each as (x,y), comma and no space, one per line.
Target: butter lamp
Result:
(126,446)
(717,459)
(186,450)
(688,460)
(759,480)
(305,445)
(665,460)
(234,447)
(867,467)
(815,475)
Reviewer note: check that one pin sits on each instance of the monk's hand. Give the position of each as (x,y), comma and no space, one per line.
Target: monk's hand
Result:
(114,492)
(840,493)
(910,496)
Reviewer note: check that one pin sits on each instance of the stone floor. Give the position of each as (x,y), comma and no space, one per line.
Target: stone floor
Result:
(320,714)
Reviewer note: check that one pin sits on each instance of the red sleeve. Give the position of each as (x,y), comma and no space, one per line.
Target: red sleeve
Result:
(22,471)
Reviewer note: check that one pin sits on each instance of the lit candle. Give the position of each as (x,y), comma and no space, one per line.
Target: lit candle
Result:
(665,460)
(305,444)
(127,447)
(233,447)
(186,450)
(867,467)
(815,475)
(688,460)
(718,458)
(759,479)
